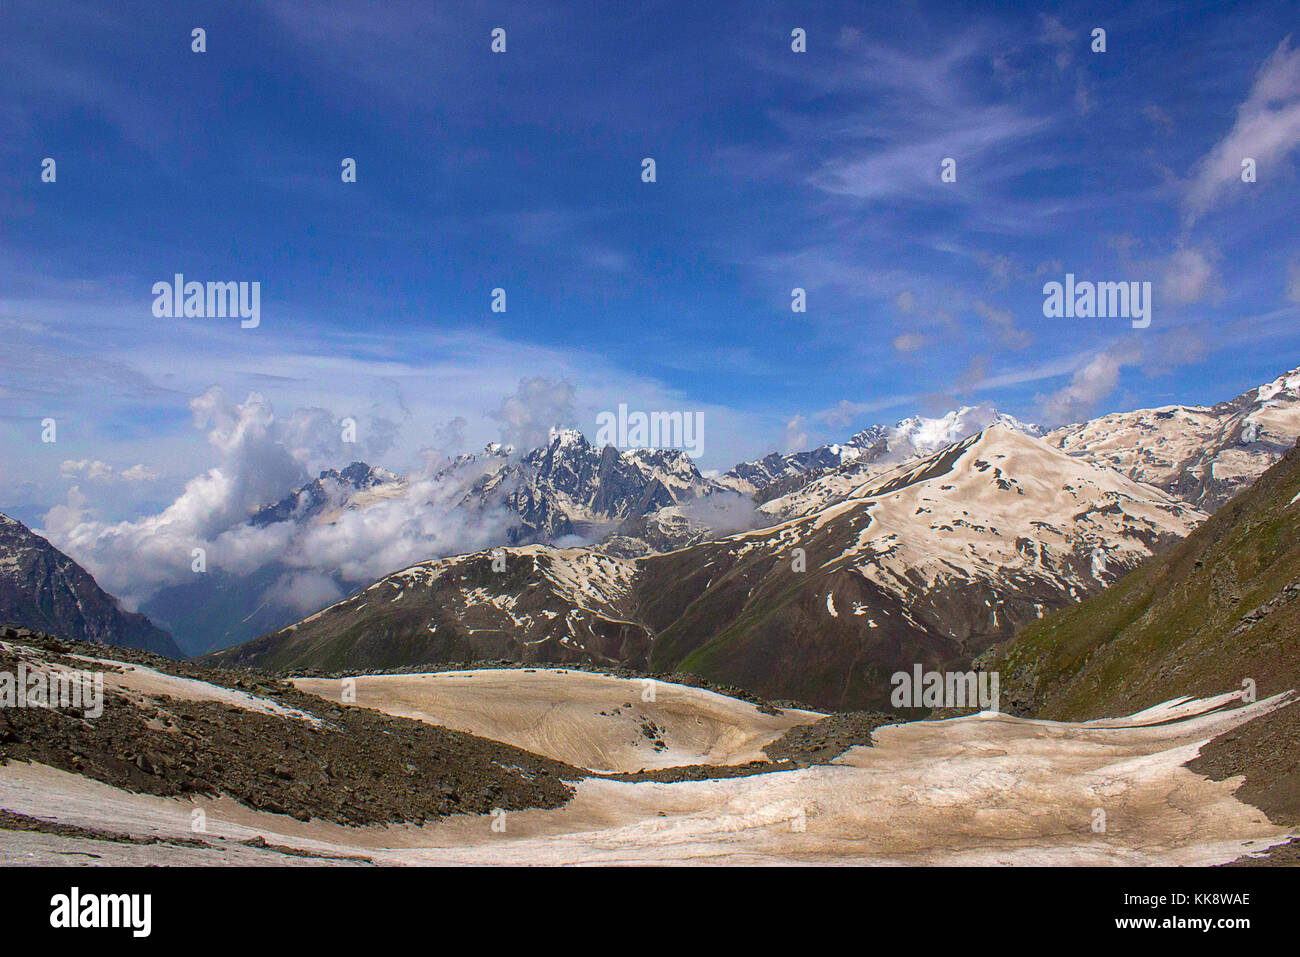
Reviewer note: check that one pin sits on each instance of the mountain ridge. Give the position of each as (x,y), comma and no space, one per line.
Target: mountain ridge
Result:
(42,588)
(736,610)
(1217,609)
(637,502)
(1201,454)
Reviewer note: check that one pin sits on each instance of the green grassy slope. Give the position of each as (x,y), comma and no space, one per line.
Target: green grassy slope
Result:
(1181,624)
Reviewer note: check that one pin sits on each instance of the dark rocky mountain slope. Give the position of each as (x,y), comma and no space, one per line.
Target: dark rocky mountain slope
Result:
(44,589)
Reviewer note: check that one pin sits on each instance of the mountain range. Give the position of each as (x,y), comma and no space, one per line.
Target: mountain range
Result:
(566,490)
(1201,454)
(932,562)
(639,511)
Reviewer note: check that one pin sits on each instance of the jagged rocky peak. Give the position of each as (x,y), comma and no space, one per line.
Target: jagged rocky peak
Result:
(565,449)
(331,487)
(359,476)
(672,468)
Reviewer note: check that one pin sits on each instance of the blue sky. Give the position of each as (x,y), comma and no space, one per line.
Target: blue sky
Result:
(521,170)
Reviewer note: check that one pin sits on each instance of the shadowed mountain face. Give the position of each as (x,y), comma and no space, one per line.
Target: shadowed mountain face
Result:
(1220,608)
(561,605)
(42,588)
(217,609)
(928,564)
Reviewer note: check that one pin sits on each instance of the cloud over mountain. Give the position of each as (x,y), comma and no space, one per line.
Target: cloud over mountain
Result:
(261,456)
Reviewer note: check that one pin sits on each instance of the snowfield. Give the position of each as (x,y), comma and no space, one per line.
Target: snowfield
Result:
(984,789)
(1205,454)
(588,720)
(142,682)
(1005,504)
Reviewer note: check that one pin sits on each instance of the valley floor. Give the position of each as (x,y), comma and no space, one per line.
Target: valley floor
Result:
(978,790)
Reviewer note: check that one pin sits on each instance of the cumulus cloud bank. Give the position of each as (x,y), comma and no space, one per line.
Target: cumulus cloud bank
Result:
(263,456)
(528,415)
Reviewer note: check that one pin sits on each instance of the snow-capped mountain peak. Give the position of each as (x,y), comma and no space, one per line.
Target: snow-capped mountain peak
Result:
(1200,454)
(921,434)
(1287,385)
(331,490)
(873,452)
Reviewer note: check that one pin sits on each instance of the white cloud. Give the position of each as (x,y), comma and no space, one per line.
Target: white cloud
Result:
(933,111)
(725,512)
(531,411)
(909,342)
(907,165)
(1190,274)
(403,387)
(303,592)
(139,473)
(1088,386)
(261,458)
(844,412)
(1267,130)
(1004,325)
(87,470)
(840,415)
(796,438)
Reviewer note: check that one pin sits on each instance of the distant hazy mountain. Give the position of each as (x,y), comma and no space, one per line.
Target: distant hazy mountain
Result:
(219,609)
(43,589)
